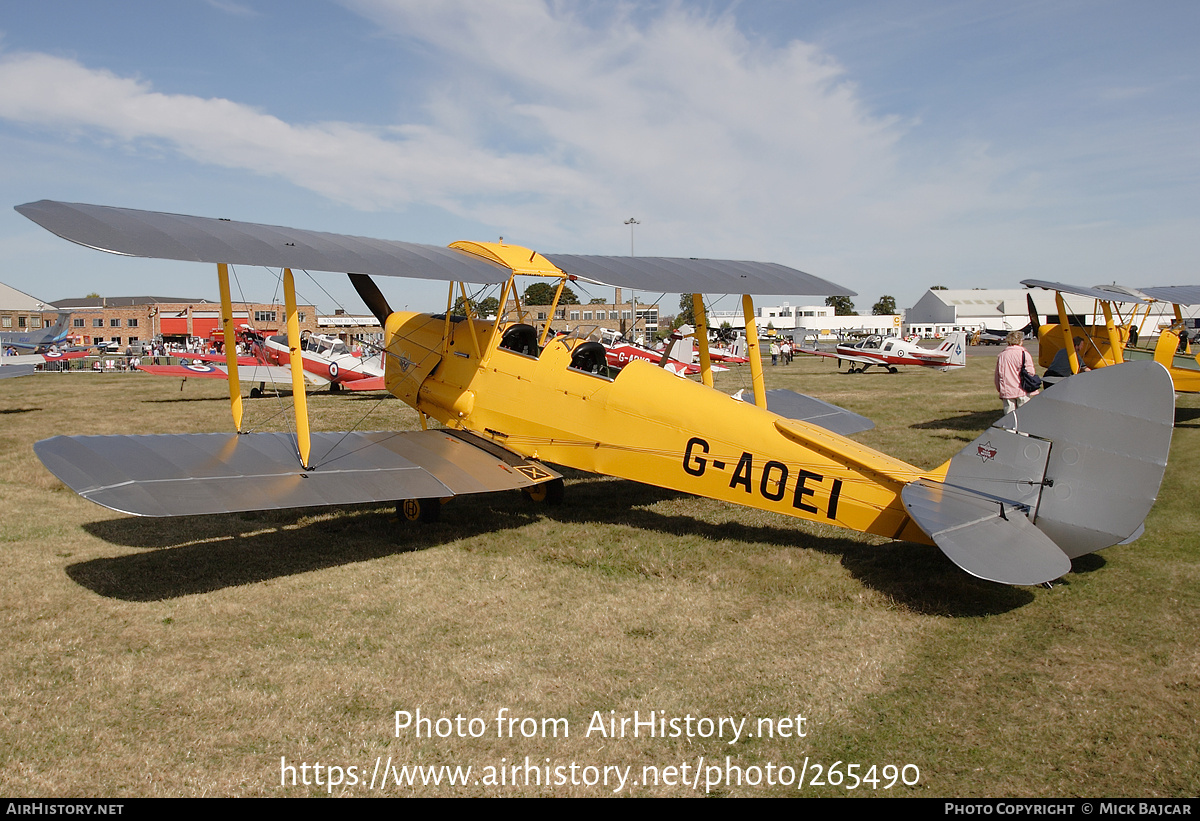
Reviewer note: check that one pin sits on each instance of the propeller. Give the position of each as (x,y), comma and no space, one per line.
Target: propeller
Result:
(369,292)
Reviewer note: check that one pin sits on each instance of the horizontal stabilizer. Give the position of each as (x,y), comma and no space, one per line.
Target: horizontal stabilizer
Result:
(792,405)
(189,474)
(988,539)
(371,383)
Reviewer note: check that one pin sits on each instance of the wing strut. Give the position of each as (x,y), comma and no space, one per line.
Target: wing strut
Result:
(235,386)
(1114,339)
(1067,334)
(756,371)
(701,319)
(296,355)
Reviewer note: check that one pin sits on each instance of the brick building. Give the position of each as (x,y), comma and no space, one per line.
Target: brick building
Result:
(133,320)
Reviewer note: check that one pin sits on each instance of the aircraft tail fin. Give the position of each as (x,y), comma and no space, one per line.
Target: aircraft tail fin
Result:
(682,347)
(1075,470)
(956,346)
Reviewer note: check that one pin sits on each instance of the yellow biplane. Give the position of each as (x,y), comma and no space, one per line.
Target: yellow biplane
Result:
(1107,339)
(1015,506)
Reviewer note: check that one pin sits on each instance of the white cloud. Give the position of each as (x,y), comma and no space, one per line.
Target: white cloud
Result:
(541,122)
(348,163)
(554,122)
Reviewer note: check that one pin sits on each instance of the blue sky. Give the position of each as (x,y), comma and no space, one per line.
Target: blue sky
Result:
(888,146)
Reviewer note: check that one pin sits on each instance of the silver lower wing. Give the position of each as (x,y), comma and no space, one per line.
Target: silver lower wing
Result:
(201,473)
(792,405)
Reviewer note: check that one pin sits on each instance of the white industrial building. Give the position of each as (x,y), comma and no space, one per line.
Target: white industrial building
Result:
(807,320)
(942,311)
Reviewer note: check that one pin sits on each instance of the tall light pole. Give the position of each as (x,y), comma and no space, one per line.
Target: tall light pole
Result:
(633,298)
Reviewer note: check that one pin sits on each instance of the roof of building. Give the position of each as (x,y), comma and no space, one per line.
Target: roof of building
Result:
(13,300)
(124,301)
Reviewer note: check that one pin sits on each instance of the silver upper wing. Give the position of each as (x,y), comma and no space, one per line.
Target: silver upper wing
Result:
(1175,294)
(1105,293)
(204,239)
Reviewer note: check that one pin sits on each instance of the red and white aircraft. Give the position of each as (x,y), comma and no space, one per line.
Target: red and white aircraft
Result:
(676,357)
(327,361)
(889,352)
(329,358)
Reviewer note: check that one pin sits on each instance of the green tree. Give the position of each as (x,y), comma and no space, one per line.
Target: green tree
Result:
(542,293)
(939,288)
(686,315)
(885,306)
(599,300)
(481,308)
(842,306)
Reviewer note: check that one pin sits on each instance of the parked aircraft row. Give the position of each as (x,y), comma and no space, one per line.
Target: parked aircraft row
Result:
(327,362)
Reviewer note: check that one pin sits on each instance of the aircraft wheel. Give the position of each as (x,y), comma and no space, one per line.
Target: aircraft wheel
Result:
(255,393)
(425,511)
(892,370)
(550,493)
(335,387)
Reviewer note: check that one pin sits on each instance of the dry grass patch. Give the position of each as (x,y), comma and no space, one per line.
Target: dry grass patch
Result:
(187,656)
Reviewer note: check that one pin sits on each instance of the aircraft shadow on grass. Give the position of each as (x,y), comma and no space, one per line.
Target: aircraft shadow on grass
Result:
(1187,417)
(237,549)
(972,422)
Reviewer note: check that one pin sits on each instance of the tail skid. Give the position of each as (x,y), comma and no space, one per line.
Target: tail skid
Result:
(1075,470)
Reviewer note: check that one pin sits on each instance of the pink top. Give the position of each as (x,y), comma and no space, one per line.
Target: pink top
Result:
(1008,371)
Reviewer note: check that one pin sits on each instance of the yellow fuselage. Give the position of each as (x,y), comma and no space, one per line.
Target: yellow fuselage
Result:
(1098,352)
(646,425)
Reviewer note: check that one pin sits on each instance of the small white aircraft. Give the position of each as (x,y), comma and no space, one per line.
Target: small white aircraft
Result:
(889,352)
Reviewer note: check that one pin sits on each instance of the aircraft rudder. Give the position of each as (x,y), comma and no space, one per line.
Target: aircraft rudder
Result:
(1053,461)
(957,347)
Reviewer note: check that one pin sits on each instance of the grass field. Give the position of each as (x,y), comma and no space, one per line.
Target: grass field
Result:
(207,656)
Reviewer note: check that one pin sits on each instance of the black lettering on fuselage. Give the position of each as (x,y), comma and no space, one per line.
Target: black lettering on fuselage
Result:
(773,482)
(834,493)
(741,476)
(694,464)
(802,491)
(773,488)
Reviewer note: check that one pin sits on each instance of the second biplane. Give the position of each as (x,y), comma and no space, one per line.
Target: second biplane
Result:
(1107,339)
(1014,506)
